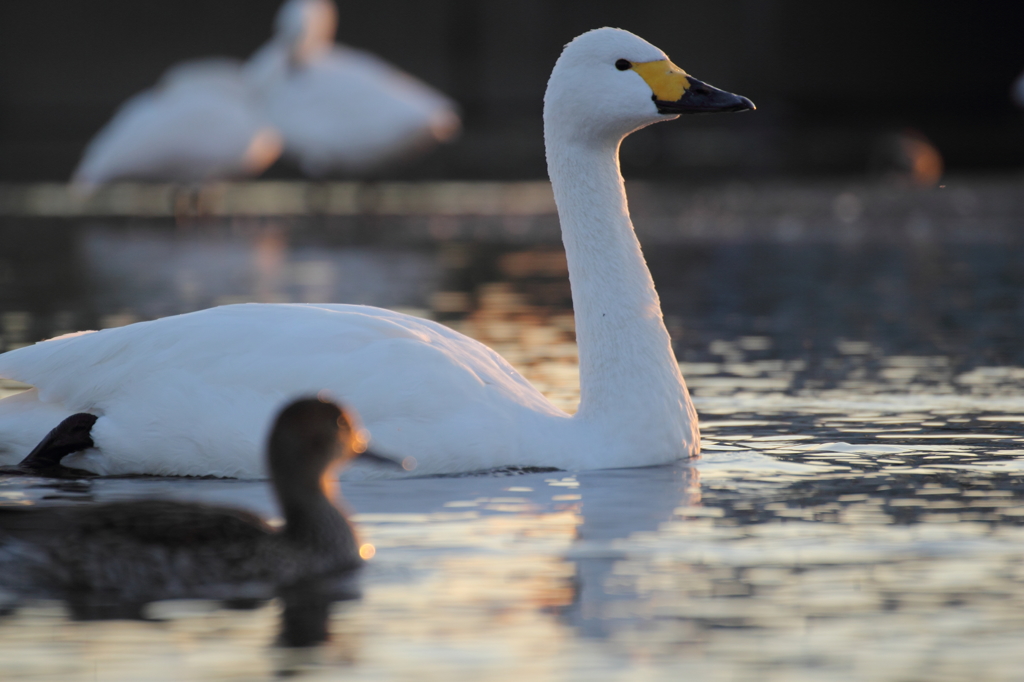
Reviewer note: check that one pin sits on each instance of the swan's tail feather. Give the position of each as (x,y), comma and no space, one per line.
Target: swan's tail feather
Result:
(24,421)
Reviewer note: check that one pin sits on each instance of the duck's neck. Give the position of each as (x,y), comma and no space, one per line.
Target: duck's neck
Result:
(629,378)
(311,519)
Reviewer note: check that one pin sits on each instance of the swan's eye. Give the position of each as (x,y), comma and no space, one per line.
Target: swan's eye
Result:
(623,65)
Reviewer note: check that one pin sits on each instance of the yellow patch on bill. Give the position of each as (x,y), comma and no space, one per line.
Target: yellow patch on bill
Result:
(667,81)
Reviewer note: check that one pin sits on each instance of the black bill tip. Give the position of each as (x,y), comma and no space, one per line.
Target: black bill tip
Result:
(701,98)
(406,464)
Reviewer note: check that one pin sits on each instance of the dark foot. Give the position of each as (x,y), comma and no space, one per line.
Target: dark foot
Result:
(71,435)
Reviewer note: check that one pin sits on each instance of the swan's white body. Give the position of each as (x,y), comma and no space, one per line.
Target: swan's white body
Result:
(191,394)
(341,109)
(199,123)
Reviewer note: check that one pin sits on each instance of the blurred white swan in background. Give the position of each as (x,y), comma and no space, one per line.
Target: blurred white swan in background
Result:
(330,107)
(200,122)
(338,108)
(190,394)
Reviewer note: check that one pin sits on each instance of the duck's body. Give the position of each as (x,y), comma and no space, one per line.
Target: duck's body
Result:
(199,123)
(338,108)
(136,551)
(182,550)
(183,395)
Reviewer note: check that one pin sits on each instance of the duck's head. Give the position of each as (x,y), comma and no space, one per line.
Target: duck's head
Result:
(609,82)
(309,439)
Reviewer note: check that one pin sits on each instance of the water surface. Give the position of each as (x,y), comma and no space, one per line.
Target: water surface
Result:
(857,512)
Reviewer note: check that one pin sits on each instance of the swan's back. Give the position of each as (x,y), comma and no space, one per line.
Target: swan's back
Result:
(313,339)
(200,388)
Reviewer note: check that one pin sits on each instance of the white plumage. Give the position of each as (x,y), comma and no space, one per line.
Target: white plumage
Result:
(191,394)
(338,108)
(200,122)
(331,108)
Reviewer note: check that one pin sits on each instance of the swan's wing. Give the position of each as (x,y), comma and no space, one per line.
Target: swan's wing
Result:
(197,124)
(413,88)
(256,342)
(348,110)
(216,73)
(231,344)
(470,355)
(195,393)
(101,160)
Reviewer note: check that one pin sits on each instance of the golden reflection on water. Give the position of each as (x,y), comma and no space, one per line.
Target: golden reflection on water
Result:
(868,529)
(540,344)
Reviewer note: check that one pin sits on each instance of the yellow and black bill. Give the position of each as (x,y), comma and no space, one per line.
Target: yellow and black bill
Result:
(701,98)
(677,92)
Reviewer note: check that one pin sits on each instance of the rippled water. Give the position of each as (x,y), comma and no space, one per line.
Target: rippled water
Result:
(857,513)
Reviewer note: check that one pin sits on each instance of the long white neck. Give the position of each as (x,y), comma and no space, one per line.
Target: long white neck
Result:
(630,384)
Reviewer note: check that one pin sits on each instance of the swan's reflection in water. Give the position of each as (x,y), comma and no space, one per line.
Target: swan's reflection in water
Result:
(858,512)
(751,564)
(482,572)
(603,603)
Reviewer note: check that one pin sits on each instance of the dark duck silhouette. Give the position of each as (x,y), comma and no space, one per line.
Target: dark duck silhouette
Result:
(132,552)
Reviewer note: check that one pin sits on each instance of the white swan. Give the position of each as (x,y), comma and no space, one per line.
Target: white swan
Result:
(191,394)
(198,123)
(341,109)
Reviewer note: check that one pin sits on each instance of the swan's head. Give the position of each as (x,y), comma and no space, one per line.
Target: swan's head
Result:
(608,83)
(307,27)
(310,437)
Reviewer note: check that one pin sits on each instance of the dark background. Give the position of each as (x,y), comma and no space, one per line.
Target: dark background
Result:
(831,79)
